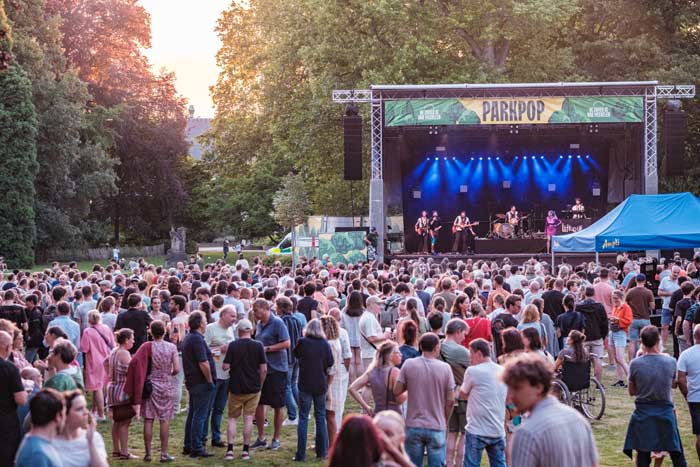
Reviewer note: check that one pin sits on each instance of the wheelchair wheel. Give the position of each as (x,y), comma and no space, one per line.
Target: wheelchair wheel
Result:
(592,400)
(560,391)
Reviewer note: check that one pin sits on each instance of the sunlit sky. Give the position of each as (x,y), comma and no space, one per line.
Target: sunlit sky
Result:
(183,40)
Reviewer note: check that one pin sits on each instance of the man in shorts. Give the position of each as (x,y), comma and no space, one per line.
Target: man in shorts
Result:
(689,383)
(246,362)
(272,333)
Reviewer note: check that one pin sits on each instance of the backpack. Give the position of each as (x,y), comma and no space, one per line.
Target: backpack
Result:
(390,314)
(49,315)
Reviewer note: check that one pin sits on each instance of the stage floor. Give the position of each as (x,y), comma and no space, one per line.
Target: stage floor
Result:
(515,258)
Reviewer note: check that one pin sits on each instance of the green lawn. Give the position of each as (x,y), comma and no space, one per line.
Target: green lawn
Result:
(609,433)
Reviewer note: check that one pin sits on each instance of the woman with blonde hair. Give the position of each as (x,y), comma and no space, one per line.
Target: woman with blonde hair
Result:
(335,399)
(380,377)
(531,319)
(97,342)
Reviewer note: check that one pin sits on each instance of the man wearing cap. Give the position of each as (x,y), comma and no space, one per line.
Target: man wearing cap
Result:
(246,362)
(641,300)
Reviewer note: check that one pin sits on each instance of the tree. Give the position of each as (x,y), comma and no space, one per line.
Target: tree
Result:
(18,167)
(291,205)
(75,170)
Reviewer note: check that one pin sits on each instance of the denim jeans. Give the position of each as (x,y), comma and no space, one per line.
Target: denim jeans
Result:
(218,404)
(319,401)
(292,396)
(474,446)
(201,396)
(420,439)
(179,385)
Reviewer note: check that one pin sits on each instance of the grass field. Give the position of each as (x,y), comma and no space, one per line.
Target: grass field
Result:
(609,433)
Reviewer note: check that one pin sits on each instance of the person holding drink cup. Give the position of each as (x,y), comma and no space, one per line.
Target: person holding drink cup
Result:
(217,336)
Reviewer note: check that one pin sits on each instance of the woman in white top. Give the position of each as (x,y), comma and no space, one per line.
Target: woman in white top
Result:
(335,399)
(80,444)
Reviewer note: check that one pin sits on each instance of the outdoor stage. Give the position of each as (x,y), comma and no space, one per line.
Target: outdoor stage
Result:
(484,147)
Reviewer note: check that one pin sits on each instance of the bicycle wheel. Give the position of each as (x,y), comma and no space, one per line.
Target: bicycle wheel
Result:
(560,391)
(592,400)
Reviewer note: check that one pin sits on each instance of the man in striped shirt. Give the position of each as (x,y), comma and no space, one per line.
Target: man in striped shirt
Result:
(554,435)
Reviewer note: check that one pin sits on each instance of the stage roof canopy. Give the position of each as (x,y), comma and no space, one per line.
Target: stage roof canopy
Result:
(641,222)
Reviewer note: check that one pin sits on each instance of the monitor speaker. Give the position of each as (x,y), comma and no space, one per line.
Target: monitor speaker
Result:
(675,132)
(352,142)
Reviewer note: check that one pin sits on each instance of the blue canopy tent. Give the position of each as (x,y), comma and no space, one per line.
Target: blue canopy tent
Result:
(641,222)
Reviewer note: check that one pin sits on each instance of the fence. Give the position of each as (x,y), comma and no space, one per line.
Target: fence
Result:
(96,254)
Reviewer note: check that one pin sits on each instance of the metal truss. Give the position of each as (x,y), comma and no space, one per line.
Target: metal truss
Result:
(680,91)
(650,148)
(377,125)
(352,95)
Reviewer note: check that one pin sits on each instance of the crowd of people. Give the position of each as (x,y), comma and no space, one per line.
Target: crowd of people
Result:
(445,359)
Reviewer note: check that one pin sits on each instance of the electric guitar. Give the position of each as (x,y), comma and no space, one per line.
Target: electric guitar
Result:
(459,227)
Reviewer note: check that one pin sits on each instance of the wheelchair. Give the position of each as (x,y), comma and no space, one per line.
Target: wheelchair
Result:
(575,387)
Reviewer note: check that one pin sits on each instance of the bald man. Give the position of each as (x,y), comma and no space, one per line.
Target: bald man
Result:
(12,394)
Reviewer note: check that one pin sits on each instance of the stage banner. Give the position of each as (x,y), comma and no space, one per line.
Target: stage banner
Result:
(517,110)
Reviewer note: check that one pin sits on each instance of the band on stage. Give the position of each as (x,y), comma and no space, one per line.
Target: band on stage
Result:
(510,225)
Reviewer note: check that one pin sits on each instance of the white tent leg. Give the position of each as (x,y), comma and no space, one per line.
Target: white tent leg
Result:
(597,261)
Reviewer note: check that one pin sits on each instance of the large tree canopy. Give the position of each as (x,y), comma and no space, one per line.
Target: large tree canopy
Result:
(279,63)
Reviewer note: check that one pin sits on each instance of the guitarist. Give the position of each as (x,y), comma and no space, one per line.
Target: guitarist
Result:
(462,229)
(434,227)
(422,231)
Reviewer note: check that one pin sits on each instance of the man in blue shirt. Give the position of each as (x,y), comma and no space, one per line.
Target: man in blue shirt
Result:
(48,415)
(70,327)
(272,333)
(200,374)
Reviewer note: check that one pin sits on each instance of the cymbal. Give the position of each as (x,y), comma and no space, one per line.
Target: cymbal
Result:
(500,216)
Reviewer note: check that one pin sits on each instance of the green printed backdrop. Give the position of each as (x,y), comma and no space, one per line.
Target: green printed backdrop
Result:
(521,110)
(341,247)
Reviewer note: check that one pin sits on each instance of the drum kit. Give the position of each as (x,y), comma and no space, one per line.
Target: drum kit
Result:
(501,228)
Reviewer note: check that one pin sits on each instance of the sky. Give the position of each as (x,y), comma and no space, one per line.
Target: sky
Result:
(183,41)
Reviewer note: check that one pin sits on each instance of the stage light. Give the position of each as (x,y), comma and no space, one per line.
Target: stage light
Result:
(561,157)
(578,157)
(588,156)
(506,184)
(463,188)
(498,158)
(514,130)
(552,187)
(489,158)
(515,157)
(471,158)
(569,156)
(541,157)
(481,158)
(436,158)
(444,158)
(454,158)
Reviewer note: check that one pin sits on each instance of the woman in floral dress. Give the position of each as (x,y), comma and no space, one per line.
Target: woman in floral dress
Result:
(165,364)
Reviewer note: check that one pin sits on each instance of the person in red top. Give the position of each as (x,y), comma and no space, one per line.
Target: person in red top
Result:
(479,327)
(620,321)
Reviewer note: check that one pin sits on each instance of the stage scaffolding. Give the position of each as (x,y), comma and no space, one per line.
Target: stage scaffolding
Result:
(651,91)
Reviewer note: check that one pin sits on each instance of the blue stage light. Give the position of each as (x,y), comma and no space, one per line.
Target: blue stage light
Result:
(541,157)
(481,158)
(454,158)
(560,156)
(516,157)
(436,158)
(588,156)
(498,158)
(489,158)
(569,156)
(471,158)
(578,156)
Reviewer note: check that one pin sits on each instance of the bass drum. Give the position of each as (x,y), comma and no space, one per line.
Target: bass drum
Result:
(503,230)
